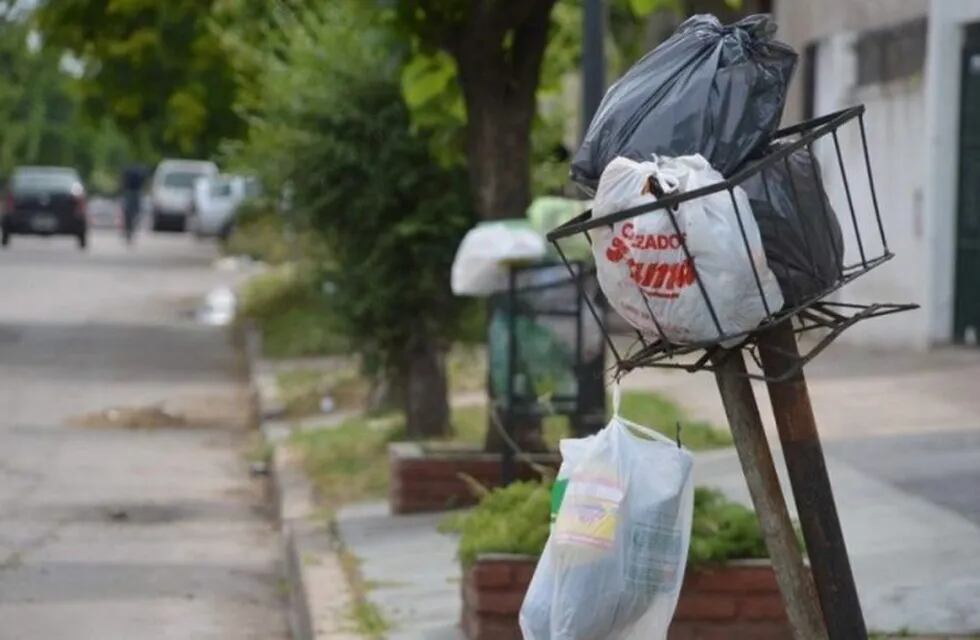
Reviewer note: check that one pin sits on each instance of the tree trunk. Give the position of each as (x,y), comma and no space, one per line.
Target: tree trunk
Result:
(499,55)
(499,85)
(426,389)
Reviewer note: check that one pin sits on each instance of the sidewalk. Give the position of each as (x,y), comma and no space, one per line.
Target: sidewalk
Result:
(411,569)
(917,565)
(902,439)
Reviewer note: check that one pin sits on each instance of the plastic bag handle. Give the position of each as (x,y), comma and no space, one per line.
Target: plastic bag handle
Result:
(639,428)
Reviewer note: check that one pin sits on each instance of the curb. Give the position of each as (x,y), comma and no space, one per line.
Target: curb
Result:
(320,599)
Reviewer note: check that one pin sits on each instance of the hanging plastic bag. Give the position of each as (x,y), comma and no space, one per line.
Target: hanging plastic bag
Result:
(800,231)
(480,265)
(709,89)
(613,566)
(644,271)
(535,616)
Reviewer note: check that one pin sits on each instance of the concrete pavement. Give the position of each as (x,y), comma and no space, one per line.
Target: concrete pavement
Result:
(901,433)
(111,533)
(902,437)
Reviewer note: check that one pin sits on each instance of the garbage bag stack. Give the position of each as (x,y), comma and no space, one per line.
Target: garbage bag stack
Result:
(710,89)
(718,92)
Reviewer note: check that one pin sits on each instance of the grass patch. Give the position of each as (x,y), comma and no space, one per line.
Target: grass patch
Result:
(259,449)
(349,462)
(643,407)
(367,618)
(466,368)
(470,426)
(301,390)
(653,410)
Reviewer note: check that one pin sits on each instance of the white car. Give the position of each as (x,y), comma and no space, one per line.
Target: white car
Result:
(172,190)
(216,200)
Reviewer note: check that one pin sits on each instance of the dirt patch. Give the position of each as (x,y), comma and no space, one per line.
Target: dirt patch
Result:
(131,418)
(233,410)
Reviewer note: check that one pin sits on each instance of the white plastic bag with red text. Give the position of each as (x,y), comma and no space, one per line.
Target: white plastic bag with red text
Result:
(613,566)
(642,266)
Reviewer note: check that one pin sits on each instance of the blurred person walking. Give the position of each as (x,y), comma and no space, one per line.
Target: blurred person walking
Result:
(133,178)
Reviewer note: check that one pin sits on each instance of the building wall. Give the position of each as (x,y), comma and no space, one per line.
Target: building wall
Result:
(895,112)
(802,22)
(947,22)
(914,131)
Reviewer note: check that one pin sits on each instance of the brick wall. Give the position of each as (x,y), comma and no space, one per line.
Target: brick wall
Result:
(493,589)
(428,479)
(739,600)
(736,601)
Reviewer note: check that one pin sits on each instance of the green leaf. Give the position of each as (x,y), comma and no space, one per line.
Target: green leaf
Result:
(645,7)
(426,76)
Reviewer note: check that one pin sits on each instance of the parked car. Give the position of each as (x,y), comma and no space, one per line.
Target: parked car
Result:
(44,201)
(171,191)
(216,201)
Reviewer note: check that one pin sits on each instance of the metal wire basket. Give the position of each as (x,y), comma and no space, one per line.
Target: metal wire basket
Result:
(865,247)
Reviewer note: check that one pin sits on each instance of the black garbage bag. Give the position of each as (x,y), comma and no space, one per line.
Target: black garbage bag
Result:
(800,231)
(709,89)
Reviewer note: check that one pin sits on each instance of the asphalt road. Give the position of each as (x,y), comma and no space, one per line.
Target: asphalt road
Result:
(108,532)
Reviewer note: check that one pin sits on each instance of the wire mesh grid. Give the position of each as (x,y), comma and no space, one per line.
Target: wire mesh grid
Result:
(862,247)
(543,339)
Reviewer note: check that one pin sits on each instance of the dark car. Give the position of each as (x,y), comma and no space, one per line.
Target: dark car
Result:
(44,201)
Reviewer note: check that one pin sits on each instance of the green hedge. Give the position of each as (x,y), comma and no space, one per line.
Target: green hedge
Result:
(515,519)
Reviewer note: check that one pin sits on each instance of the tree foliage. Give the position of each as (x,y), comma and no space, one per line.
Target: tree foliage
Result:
(40,111)
(332,123)
(157,69)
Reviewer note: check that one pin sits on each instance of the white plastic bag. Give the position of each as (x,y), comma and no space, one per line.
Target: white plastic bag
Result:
(613,566)
(480,265)
(644,271)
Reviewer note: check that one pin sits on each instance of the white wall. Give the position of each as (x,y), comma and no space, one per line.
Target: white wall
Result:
(804,21)
(894,120)
(947,20)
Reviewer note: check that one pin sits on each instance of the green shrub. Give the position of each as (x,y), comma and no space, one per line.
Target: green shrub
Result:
(515,519)
(723,530)
(293,314)
(512,519)
(260,232)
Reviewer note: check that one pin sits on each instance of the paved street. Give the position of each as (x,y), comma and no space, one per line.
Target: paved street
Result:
(108,532)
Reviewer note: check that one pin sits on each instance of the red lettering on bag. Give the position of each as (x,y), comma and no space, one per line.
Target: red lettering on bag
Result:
(656,278)
(617,250)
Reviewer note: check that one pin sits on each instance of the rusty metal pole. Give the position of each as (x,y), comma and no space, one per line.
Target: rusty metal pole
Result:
(767,496)
(811,485)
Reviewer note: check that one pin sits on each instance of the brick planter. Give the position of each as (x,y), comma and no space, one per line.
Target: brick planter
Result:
(427,477)
(739,600)
(493,590)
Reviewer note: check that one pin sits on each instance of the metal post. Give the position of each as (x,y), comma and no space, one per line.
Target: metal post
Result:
(593,60)
(760,473)
(811,485)
(508,465)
